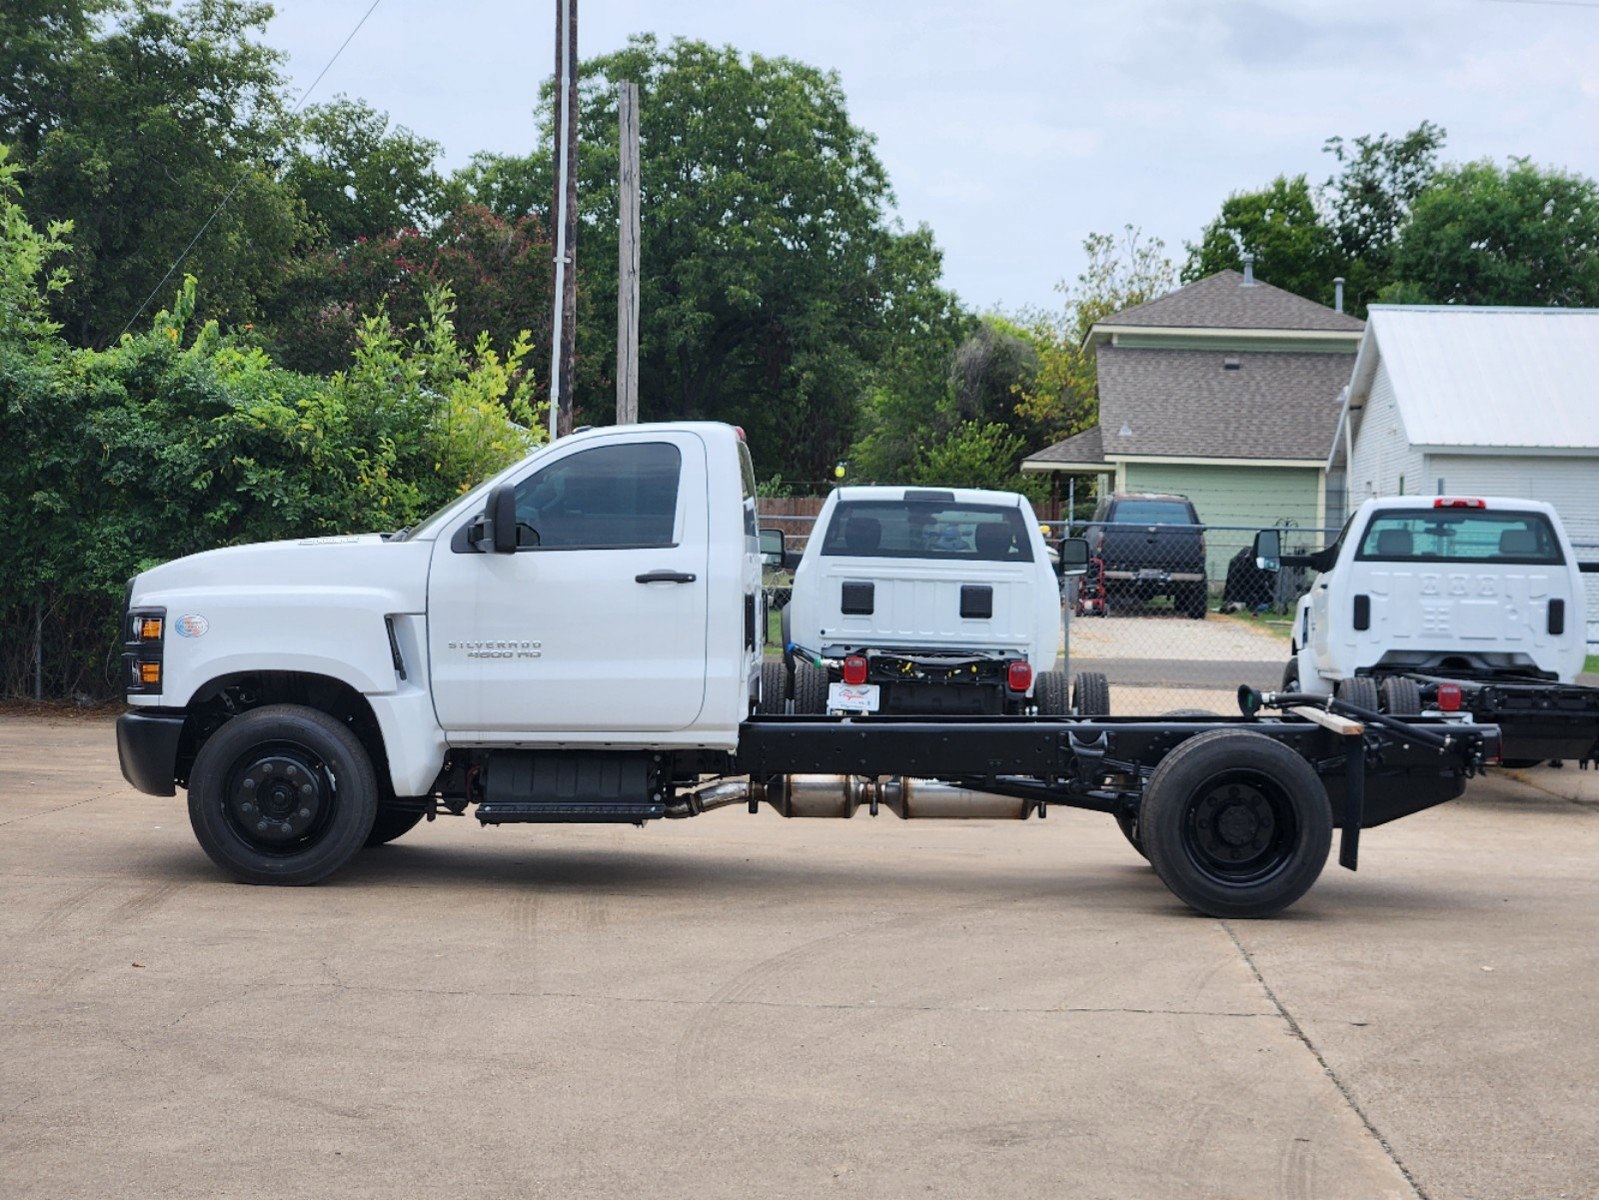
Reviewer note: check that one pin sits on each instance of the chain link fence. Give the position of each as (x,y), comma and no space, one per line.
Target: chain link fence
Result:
(1175,617)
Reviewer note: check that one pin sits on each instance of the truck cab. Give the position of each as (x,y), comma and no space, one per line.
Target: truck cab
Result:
(603,591)
(1470,587)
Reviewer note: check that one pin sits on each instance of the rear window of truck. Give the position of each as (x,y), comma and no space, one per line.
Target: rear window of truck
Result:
(907,529)
(1151,512)
(1460,536)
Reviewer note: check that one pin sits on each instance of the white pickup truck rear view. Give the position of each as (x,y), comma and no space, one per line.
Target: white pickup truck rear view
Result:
(1482,595)
(931,600)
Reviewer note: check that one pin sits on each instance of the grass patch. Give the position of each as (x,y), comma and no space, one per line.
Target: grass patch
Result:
(1279,625)
(1591,666)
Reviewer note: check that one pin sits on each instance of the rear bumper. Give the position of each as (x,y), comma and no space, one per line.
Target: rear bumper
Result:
(1152,575)
(147,748)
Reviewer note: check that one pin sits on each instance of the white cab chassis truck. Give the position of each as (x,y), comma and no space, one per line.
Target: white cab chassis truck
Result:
(1453,603)
(930,600)
(577,640)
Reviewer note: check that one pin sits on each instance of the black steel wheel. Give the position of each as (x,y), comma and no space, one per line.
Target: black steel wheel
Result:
(1401,697)
(283,794)
(774,681)
(1360,691)
(392,823)
(1049,694)
(1236,824)
(810,688)
(1091,695)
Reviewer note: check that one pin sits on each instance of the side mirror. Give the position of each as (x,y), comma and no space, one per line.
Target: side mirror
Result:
(1269,550)
(497,526)
(774,548)
(1073,556)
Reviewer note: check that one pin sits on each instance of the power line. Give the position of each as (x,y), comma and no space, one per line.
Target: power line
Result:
(245,174)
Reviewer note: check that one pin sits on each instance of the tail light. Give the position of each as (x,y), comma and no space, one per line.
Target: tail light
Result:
(855,669)
(1458,502)
(1449,697)
(1019,675)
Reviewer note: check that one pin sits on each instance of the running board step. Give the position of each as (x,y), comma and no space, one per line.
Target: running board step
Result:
(510,812)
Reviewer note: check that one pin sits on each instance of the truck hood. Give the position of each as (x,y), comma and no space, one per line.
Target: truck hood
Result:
(391,576)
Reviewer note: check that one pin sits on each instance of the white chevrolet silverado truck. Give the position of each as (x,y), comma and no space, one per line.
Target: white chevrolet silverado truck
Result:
(578,640)
(1461,603)
(930,600)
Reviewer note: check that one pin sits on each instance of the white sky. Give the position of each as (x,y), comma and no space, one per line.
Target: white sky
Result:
(1017,127)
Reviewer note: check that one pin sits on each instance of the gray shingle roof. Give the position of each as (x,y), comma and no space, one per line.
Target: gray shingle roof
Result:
(1186,403)
(1085,447)
(1221,301)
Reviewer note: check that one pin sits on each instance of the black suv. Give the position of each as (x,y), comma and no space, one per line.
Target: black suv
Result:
(1151,545)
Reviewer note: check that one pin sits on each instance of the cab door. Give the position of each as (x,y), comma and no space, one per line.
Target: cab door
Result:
(599,628)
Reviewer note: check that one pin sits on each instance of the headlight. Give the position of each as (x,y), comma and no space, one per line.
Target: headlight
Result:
(143,646)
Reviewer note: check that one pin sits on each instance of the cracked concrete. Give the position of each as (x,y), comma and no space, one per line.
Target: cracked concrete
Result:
(737,1006)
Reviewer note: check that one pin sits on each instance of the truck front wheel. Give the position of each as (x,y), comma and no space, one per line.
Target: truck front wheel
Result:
(1235,824)
(282,794)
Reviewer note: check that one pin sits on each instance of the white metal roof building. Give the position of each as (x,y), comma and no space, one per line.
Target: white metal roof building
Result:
(1477,401)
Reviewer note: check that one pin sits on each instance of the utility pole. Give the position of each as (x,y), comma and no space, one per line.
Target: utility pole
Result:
(627,256)
(563,332)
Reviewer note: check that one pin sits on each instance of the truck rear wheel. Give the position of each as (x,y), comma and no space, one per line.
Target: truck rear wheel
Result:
(283,794)
(1195,600)
(810,688)
(1401,697)
(1091,695)
(1049,694)
(1235,824)
(1360,691)
(774,681)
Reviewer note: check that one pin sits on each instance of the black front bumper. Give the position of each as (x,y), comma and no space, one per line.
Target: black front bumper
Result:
(147,747)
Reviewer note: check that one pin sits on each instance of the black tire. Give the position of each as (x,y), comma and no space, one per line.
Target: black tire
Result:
(391,823)
(1236,824)
(1049,694)
(1129,826)
(1091,695)
(774,681)
(1291,675)
(1196,601)
(250,807)
(1401,697)
(810,688)
(1361,691)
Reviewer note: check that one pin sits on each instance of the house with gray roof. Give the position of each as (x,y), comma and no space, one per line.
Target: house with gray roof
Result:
(1227,391)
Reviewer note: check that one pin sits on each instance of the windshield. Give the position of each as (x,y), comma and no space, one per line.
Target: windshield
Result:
(1460,535)
(465,503)
(912,529)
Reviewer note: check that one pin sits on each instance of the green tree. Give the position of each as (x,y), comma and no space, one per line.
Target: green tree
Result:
(1369,201)
(1282,227)
(358,178)
(1063,398)
(978,455)
(147,119)
(1484,234)
(773,282)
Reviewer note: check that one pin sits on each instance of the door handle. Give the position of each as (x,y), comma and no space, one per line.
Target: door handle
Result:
(664,577)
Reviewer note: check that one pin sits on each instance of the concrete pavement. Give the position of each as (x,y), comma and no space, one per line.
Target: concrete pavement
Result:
(739,1006)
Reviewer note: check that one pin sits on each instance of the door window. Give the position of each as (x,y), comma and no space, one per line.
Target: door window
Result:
(610,497)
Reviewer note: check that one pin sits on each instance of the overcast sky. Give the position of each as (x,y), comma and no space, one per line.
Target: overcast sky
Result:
(1016,127)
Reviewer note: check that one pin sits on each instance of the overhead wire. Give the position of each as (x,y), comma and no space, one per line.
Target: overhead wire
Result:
(245,174)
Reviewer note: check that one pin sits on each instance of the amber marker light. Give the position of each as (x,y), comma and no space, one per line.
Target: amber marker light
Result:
(149,673)
(149,629)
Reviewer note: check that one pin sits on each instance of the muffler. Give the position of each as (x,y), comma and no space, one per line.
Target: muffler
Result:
(908,799)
